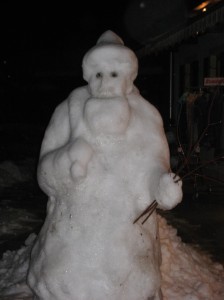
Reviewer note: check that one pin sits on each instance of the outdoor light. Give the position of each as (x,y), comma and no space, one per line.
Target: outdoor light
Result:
(202,6)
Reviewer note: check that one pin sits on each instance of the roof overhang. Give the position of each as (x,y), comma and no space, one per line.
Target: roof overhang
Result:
(194,29)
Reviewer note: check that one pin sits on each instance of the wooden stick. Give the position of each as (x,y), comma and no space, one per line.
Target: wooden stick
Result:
(149,210)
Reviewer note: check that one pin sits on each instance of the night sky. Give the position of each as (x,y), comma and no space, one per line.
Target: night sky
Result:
(58,26)
(39,25)
(42,47)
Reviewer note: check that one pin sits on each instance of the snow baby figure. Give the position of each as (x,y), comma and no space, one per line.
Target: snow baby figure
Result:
(104,159)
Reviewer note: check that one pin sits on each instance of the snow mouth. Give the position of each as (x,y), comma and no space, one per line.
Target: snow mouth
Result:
(106,95)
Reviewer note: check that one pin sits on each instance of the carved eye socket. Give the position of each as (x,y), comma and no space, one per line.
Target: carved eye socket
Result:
(99,75)
(114,74)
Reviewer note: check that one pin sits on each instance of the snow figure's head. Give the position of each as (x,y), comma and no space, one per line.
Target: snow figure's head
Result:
(110,67)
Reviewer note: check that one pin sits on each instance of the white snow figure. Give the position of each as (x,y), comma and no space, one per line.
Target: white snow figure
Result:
(104,159)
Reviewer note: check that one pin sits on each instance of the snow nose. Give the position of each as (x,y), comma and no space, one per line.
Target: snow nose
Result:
(106,87)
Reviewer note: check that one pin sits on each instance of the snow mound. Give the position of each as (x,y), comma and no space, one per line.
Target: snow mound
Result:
(12,173)
(13,270)
(187,273)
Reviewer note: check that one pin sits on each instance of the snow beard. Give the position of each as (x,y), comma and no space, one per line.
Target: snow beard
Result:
(107,116)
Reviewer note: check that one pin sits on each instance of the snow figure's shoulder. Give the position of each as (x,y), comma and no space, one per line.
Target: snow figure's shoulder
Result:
(59,113)
(76,102)
(79,93)
(144,107)
(60,117)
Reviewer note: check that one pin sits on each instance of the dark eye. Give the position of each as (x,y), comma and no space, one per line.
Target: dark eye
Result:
(99,75)
(113,74)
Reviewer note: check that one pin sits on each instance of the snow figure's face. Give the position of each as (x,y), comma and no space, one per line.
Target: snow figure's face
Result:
(110,70)
(108,82)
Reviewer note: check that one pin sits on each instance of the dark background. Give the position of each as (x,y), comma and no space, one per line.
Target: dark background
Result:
(42,46)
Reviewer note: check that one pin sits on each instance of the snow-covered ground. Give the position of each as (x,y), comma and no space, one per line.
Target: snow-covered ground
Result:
(187,272)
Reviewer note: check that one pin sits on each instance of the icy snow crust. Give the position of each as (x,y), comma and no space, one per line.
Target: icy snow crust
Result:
(186,273)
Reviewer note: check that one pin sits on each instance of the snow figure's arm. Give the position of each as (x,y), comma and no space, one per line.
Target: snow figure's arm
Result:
(166,185)
(53,148)
(169,186)
(63,157)
(58,131)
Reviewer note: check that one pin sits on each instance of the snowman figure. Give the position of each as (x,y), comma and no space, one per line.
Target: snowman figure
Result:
(104,159)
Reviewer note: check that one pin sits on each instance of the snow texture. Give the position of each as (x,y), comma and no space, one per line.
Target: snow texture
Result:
(104,159)
(187,273)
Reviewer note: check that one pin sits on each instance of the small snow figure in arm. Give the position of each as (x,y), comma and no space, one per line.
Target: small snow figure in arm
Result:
(104,159)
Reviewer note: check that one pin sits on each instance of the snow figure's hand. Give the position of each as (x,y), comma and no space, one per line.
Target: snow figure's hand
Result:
(169,192)
(64,165)
(80,154)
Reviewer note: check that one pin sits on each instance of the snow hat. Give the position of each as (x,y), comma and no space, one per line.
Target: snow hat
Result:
(109,52)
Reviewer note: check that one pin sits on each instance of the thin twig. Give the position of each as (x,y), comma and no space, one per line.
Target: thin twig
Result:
(201,166)
(150,209)
(177,132)
(192,149)
(210,178)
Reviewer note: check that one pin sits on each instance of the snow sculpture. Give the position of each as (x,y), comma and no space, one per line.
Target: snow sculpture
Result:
(104,159)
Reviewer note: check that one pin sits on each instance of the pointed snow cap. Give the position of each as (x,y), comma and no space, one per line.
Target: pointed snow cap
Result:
(109,37)
(110,52)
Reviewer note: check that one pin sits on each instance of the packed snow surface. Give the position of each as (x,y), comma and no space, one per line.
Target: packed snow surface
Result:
(187,273)
(104,158)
